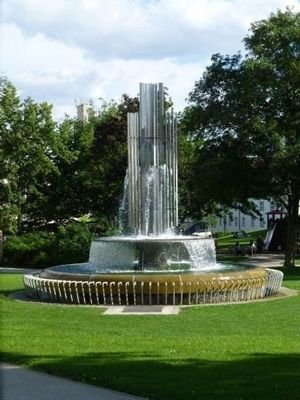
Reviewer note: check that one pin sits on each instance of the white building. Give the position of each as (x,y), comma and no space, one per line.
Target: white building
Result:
(85,112)
(236,221)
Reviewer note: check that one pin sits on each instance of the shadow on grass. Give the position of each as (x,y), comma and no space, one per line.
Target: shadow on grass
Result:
(260,376)
(6,293)
(290,274)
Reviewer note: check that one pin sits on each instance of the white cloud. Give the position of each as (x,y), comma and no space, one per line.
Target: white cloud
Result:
(43,68)
(142,29)
(49,70)
(64,50)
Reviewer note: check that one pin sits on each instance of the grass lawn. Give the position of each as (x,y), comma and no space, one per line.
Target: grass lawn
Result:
(228,241)
(246,351)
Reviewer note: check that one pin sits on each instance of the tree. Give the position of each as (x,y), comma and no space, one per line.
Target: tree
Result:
(56,172)
(106,168)
(61,195)
(10,119)
(246,110)
(90,167)
(29,145)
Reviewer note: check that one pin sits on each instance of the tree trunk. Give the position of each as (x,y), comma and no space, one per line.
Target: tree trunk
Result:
(1,247)
(20,205)
(19,216)
(292,219)
(1,235)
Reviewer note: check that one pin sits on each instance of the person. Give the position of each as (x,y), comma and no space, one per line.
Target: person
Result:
(259,244)
(251,248)
(237,249)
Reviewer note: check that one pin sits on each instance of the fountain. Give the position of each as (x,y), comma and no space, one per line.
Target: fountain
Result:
(152,264)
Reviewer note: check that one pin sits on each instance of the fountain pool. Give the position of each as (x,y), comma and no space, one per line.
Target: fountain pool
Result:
(154,265)
(143,271)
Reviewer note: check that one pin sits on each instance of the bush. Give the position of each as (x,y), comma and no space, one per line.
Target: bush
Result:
(25,250)
(41,249)
(72,244)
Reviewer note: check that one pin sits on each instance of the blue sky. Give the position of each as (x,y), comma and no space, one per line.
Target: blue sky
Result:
(62,51)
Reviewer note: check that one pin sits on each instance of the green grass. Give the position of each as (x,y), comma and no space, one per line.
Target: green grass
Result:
(229,240)
(247,351)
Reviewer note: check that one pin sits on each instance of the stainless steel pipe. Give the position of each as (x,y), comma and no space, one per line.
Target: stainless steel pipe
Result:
(152,165)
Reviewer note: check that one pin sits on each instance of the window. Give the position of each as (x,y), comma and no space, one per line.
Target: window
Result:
(261,205)
(243,222)
(235,221)
(253,219)
(261,223)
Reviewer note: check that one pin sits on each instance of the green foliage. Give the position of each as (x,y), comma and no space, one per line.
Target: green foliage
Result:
(244,113)
(62,195)
(72,244)
(105,169)
(27,249)
(28,147)
(60,171)
(187,150)
(69,244)
(90,169)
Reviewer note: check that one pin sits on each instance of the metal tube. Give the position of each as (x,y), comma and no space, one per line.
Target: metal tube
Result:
(152,165)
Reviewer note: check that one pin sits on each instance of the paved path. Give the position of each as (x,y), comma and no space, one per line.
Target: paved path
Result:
(23,384)
(270,260)
(267,260)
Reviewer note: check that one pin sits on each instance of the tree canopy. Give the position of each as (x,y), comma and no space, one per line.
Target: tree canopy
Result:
(54,172)
(28,146)
(244,114)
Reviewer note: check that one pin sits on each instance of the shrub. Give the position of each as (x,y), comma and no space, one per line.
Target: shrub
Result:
(40,249)
(72,244)
(23,250)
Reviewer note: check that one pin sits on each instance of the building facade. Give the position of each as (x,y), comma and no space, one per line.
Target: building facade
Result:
(85,112)
(236,221)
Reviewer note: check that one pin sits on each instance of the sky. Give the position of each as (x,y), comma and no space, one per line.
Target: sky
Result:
(68,51)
